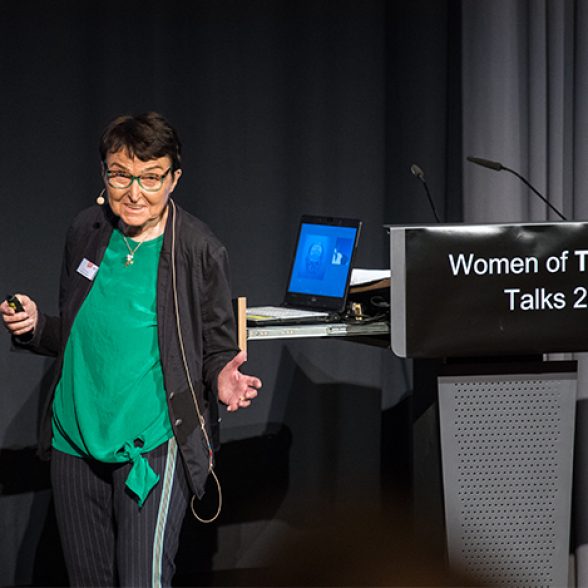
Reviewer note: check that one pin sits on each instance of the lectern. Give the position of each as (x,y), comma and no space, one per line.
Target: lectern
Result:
(493,300)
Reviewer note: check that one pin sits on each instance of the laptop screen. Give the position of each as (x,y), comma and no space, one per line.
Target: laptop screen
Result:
(321,268)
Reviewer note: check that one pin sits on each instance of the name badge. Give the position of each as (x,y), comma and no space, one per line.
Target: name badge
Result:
(87,269)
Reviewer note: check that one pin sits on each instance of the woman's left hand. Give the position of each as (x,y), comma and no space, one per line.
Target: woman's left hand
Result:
(235,389)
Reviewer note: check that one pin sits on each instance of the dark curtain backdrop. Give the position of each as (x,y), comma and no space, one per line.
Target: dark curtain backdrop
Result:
(525,68)
(284,108)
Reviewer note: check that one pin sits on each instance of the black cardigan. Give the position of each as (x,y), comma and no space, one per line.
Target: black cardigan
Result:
(207,323)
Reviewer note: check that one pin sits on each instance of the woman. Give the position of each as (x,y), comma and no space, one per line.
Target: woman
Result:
(145,346)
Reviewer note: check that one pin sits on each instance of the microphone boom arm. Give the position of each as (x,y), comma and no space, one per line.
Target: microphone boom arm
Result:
(431,200)
(418,172)
(535,191)
(497,166)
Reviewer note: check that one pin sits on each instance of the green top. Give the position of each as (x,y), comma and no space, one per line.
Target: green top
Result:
(110,403)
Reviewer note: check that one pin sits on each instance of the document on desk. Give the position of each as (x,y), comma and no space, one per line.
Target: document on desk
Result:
(369,280)
(363,277)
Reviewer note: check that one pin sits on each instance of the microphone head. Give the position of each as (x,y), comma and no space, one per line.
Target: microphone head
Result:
(495,165)
(417,171)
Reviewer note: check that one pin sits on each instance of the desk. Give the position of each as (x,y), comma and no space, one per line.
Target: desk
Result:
(356,329)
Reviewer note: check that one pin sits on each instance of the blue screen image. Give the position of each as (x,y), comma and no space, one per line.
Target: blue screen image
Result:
(322,260)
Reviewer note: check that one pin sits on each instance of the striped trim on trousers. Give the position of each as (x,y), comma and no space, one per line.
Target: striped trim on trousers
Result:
(107,539)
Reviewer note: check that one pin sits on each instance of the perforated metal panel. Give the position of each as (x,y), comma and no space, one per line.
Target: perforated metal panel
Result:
(507,444)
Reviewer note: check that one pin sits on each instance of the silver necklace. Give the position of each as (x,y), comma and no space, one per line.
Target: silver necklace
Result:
(130,258)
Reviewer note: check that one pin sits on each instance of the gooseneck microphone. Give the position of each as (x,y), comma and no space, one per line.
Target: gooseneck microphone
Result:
(496,166)
(420,174)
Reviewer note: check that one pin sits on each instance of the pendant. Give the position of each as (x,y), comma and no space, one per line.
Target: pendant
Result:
(130,260)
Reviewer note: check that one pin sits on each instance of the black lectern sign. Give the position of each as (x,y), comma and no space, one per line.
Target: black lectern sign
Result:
(479,290)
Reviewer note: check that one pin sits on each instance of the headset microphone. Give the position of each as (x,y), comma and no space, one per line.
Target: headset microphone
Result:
(497,166)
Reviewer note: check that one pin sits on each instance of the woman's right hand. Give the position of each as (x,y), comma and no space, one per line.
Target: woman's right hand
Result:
(20,323)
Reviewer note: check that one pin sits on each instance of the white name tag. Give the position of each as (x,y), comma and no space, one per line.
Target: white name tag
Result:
(87,269)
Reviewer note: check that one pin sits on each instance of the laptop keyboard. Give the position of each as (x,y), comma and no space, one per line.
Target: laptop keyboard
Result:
(281,312)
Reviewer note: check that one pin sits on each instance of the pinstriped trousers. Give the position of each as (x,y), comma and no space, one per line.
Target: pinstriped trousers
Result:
(107,539)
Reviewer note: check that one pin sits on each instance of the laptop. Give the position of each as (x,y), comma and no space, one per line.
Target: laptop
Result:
(319,274)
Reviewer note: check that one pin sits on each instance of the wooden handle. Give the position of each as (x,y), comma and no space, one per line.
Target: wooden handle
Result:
(242,322)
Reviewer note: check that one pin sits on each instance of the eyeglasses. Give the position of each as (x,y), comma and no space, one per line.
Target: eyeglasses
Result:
(149,182)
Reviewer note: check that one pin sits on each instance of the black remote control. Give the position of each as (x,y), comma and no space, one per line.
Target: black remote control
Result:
(14,303)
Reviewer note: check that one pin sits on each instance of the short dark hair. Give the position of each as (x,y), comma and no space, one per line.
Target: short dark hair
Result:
(146,136)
